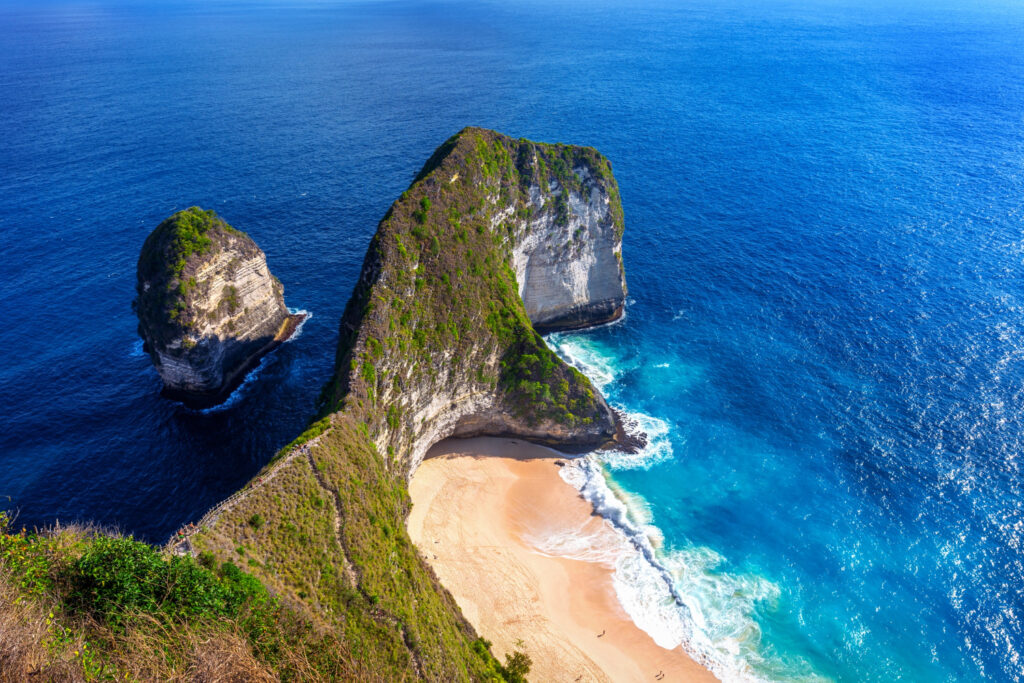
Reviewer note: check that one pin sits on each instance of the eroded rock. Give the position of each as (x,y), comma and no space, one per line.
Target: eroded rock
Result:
(208,306)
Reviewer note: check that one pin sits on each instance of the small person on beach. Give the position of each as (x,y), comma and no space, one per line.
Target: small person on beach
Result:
(602,633)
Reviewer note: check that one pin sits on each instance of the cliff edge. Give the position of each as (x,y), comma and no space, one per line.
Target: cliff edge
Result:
(208,306)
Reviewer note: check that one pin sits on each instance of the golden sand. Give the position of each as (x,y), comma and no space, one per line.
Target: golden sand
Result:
(479,508)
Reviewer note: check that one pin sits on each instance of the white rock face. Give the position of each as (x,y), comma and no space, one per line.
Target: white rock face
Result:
(570,269)
(239,310)
(231,313)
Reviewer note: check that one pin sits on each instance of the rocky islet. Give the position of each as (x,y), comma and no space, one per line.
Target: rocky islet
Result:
(208,306)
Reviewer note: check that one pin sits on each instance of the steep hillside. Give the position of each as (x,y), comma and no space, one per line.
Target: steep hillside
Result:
(436,342)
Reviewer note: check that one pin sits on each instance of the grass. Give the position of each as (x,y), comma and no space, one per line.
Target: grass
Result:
(80,604)
(335,542)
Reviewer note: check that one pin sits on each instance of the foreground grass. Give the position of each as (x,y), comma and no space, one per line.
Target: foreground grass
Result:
(77,604)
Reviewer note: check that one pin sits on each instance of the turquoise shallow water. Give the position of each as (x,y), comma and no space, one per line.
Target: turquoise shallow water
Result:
(824,204)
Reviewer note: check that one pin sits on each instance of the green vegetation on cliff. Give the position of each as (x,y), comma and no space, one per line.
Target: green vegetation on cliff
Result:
(438,284)
(177,238)
(436,319)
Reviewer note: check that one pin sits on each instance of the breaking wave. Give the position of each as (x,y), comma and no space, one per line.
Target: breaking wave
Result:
(298,328)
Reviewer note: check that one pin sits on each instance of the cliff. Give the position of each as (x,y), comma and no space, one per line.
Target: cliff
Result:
(567,254)
(494,238)
(207,304)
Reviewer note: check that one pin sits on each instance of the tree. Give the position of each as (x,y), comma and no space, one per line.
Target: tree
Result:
(517,665)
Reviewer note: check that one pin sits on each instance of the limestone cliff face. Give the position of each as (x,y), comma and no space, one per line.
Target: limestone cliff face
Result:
(568,258)
(497,238)
(208,305)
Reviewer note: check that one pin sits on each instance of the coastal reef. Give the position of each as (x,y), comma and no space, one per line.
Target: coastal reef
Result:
(208,306)
(312,573)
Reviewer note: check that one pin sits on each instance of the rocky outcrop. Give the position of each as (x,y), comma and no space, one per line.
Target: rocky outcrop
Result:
(496,239)
(208,306)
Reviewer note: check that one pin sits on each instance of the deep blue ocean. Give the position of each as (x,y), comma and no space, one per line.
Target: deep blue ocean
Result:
(824,248)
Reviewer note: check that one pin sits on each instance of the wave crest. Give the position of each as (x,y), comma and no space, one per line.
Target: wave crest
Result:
(588,357)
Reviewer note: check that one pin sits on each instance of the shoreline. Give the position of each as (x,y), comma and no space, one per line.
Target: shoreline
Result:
(531,564)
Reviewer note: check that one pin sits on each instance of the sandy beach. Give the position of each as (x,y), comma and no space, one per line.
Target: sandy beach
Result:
(482,511)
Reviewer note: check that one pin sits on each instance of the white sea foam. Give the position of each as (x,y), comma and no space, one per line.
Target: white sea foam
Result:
(576,544)
(657,450)
(586,356)
(137,349)
(240,391)
(250,377)
(677,596)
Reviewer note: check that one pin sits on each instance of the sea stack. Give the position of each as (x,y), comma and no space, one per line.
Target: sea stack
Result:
(208,306)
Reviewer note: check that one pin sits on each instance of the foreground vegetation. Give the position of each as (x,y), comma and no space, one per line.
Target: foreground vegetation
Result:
(79,604)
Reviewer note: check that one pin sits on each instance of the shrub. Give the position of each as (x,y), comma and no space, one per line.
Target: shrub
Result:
(420,214)
(206,559)
(117,577)
(517,665)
